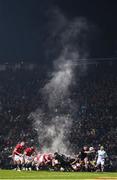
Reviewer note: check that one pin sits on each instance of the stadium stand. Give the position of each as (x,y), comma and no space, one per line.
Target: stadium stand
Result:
(95,94)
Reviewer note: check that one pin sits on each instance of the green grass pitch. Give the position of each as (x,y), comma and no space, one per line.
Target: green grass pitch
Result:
(34,175)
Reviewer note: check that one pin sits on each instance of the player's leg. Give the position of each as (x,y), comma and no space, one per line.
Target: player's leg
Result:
(24,162)
(98,163)
(102,165)
(29,164)
(21,162)
(34,162)
(86,163)
(17,162)
(14,165)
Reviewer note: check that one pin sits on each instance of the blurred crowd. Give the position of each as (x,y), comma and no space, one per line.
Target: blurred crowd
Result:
(95,94)
(97,104)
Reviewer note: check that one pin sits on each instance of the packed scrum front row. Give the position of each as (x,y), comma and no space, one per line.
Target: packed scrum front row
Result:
(89,159)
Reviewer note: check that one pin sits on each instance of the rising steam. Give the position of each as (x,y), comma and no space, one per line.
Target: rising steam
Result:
(53,120)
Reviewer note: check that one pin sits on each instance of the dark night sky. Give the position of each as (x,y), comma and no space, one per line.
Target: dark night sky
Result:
(23,25)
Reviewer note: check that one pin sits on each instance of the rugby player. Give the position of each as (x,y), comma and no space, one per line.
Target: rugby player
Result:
(29,153)
(18,158)
(101,157)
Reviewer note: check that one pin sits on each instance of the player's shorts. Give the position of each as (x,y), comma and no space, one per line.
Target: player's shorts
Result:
(39,159)
(35,160)
(18,158)
(100,161)
(55,162)
(28,159)
(76,166)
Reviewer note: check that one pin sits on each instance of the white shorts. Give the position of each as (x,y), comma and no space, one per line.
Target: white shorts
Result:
(28,159)
(41,159)
(35,160)
(100,161)
(18,158)
(55,162)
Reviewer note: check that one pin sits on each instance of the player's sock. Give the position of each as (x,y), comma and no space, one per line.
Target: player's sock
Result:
(27,166)
(20,166)
(14,166)
(24,167)
(102,168)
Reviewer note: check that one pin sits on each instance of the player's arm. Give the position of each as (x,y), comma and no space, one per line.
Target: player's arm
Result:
(106,156)
(78,154)
(76,160)
(24,153)
(87,152)
(34,153)
(96,156)
(16,152)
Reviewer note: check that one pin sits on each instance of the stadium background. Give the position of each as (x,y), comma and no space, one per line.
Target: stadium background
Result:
(34,35)
(96,100)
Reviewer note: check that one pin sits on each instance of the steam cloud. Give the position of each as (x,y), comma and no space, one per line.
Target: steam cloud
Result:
(53,120)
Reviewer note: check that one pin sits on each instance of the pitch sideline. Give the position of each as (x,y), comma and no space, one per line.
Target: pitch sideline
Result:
(103,178)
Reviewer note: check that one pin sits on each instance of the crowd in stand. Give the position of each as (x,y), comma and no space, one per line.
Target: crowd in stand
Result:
(95,96)
(97,102)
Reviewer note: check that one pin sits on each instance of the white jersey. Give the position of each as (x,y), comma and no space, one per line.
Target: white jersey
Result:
(102,154)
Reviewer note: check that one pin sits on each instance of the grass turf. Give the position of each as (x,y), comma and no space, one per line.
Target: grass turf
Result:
(4,174)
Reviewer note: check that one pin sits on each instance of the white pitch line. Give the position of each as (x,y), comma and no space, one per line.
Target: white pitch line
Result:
(48,179)
(62,179)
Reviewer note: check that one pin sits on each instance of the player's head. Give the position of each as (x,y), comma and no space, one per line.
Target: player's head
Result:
(91,148)
(56,154)
(22,143)
(85,148)
(33,147)
(101,147)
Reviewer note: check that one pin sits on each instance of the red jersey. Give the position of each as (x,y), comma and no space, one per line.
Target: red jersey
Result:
(47,157)
(29,151)
(38,156)
(18,149)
